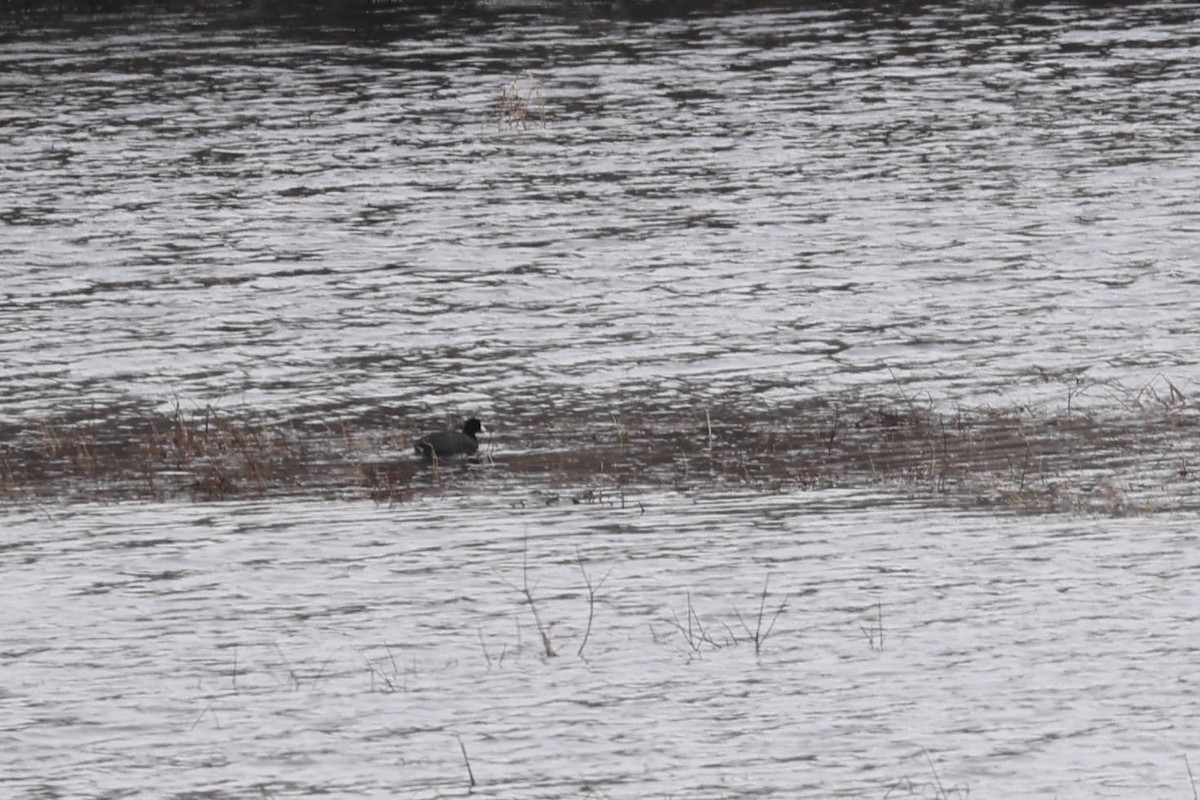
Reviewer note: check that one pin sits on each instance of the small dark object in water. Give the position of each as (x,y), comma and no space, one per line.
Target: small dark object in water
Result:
(451,443)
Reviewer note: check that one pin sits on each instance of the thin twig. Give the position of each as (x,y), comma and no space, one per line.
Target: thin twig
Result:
(591,600)
(287,664)
(537,618)
(759,636)
(936,779)
(694,633)
(374,672)
(483,644)
(208,709)
(466,760)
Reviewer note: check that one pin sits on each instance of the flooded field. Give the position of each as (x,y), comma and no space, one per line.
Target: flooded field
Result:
(837,366)
(1139,461)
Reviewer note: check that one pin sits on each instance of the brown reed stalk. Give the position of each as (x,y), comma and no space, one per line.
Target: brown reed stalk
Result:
(251,463)
(514,107)
(51,443)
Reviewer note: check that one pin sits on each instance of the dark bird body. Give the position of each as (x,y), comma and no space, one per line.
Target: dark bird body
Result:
(451,443)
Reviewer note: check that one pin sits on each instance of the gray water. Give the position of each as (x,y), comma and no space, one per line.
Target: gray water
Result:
(971,198)
(972,204)
(333,649)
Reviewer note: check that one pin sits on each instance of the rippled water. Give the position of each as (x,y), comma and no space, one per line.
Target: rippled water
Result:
(980,204)
(801,202)
(341,649)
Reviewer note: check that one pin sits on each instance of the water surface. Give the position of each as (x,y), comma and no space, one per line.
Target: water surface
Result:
(987,204)
(879,321)
(341,649)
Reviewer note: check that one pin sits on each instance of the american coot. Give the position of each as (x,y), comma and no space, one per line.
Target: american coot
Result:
(451,443)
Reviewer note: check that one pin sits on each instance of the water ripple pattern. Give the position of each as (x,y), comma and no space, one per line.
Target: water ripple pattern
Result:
(967,199)
(247,649)
(262,231)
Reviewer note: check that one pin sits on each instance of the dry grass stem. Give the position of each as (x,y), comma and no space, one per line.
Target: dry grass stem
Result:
(521,100)
(467,761)
(758,635)
(527,592)
(693,632)
(592,589)
(1133,460)
(874,633)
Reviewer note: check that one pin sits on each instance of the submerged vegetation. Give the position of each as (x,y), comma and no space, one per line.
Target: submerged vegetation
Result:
(1136,459)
